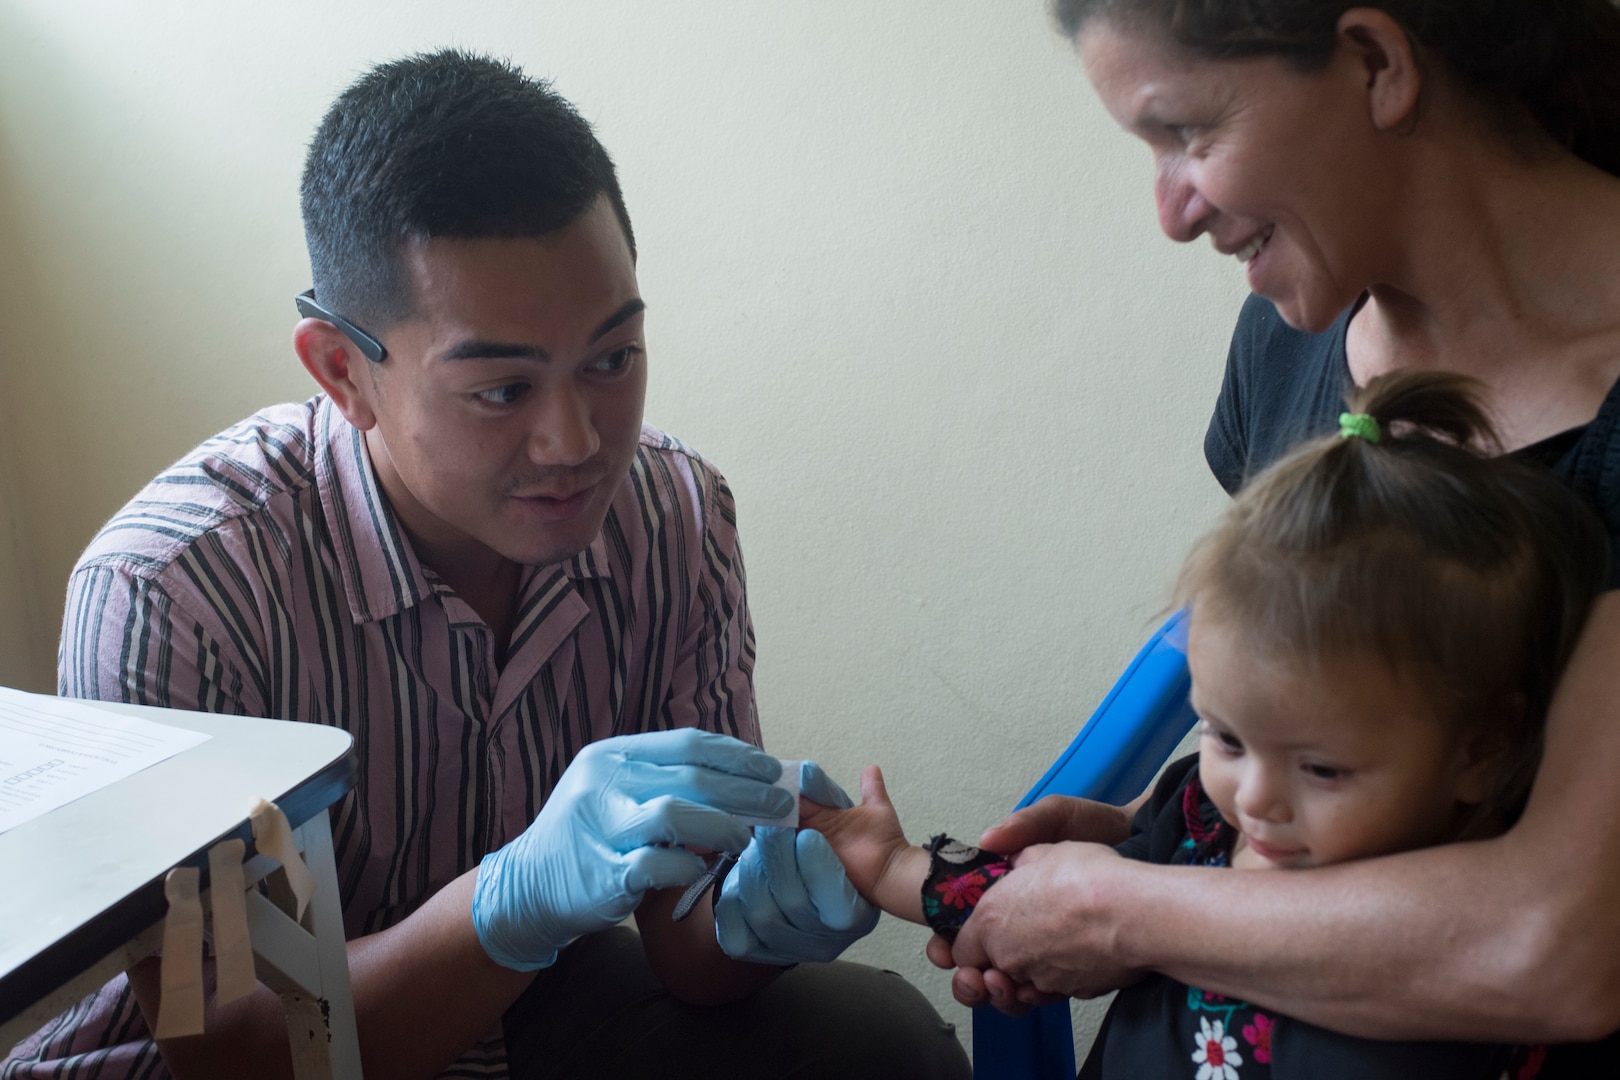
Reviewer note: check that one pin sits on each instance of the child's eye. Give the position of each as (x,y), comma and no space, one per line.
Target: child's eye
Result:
(1228,742)
(1319,771)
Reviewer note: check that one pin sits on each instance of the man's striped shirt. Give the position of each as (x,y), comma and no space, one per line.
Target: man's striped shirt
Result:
(265,575)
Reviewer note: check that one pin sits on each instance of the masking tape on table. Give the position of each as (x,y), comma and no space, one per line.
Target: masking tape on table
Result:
(233,949)
(273,837)
(788,782)
(180,1010)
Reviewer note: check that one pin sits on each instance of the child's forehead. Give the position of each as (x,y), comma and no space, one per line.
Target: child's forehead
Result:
(1319,655)
(1295,698)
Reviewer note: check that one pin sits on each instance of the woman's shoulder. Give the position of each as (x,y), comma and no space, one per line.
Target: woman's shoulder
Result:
(1282,386)
(1588,459)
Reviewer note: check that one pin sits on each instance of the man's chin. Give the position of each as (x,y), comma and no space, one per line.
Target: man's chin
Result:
(532,536)
(547,555)
(548,547)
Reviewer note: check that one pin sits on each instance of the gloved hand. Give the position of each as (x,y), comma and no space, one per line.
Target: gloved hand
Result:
(585,862)
(788,899)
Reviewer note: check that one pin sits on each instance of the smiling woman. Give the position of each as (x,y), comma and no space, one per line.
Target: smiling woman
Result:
(1411,184)
(1270,163)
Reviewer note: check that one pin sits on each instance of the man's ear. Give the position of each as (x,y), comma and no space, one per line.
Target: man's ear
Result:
(333,361)
(1384,54)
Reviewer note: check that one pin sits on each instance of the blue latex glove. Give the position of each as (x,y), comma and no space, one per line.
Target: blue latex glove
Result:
(788,899)
(586,861)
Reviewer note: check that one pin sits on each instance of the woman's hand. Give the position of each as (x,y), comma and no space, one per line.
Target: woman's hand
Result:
(1029,833)
(1057,818)
(974,987)
(1039,935)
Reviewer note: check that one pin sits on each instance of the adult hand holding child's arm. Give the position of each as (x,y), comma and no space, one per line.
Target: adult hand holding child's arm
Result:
(1058,818)
(1030,921)
(1053,820)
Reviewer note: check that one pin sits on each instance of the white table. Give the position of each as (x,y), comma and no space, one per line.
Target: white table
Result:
(81,887)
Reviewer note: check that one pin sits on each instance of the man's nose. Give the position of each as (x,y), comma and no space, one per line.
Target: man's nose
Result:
(1183,211)
(564,432)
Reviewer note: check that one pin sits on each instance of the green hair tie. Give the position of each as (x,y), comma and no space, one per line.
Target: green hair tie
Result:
(1358,425)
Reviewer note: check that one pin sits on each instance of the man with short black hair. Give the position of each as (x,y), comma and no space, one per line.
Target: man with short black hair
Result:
(529,610)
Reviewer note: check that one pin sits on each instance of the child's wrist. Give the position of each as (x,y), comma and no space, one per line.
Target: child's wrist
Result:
(956,878)
(899,886)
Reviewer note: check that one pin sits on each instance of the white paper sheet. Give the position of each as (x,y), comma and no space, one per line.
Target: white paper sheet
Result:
(54,750)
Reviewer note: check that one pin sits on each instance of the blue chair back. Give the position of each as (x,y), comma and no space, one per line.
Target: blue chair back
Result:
(1113,759)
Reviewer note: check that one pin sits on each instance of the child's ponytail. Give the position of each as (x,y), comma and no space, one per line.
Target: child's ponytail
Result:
(1430,405)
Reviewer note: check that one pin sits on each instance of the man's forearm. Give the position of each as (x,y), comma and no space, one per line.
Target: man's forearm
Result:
(686,957)
(425,990)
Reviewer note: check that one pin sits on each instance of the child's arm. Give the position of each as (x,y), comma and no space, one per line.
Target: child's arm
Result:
(884,869)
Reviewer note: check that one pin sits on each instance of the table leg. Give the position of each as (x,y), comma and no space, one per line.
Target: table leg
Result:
(305,961)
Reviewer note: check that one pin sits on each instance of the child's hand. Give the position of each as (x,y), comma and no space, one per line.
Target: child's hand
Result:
(884,869)
(865,837)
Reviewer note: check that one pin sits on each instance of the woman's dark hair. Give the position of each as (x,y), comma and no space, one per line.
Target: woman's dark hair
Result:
(1473,572)
(1556,60)
(446,143)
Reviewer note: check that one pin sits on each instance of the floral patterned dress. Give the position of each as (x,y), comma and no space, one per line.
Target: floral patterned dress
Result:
(1162,1028)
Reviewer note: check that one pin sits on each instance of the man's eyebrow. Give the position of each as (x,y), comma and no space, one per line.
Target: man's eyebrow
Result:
(627,311)
(479,349)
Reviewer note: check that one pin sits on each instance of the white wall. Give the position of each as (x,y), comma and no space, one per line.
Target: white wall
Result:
(25,646)
(27,639)
(905,288)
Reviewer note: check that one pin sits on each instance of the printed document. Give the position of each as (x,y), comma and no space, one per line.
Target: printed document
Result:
(54,750)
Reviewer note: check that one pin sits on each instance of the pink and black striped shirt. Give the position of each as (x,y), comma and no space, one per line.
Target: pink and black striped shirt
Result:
(264,575)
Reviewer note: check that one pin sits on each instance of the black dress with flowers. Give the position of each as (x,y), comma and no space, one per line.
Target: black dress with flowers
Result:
(1162,1028)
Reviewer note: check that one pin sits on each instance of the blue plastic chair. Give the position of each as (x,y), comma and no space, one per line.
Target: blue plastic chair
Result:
(1113,759)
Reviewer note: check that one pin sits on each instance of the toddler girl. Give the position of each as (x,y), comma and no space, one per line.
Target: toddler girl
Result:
(1376,626)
